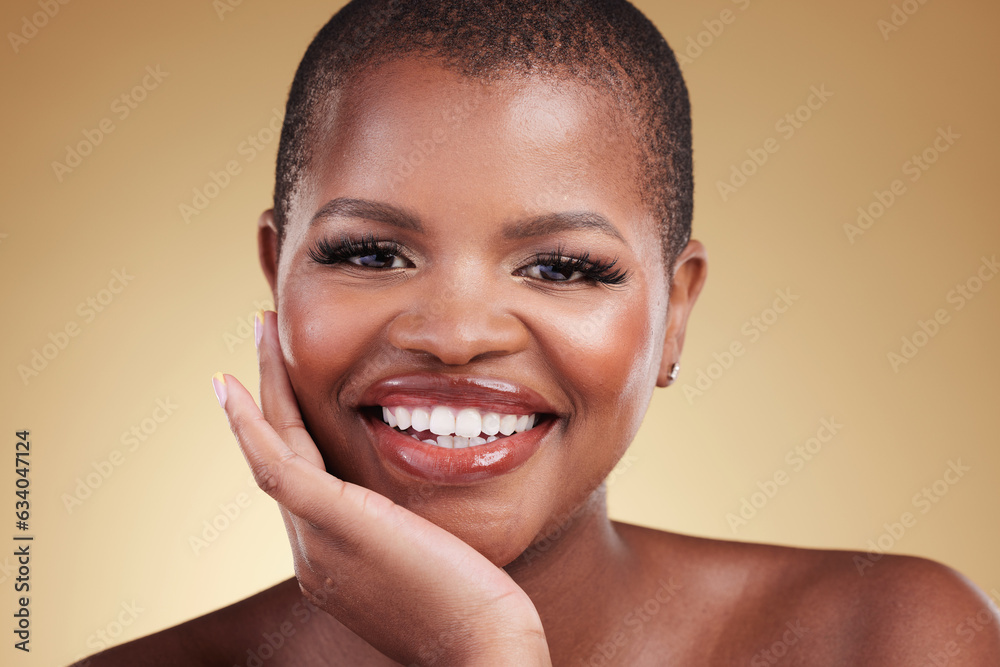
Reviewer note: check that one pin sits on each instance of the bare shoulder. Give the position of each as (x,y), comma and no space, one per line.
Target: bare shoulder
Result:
(822,607)
(918,611)
(276,627)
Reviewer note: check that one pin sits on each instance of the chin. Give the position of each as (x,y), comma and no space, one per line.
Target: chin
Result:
(501,537)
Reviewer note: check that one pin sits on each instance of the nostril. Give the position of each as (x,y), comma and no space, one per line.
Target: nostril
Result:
(457,335)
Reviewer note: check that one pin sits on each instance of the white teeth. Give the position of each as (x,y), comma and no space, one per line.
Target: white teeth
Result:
(491,423)
(456,427)
(442,420)
(468,422)
(507,424)
(420,419)
(403,418)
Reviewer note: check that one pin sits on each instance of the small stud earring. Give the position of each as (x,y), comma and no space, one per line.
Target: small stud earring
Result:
(674,370)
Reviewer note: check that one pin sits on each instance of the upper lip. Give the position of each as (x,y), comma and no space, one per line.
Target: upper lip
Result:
(462,391)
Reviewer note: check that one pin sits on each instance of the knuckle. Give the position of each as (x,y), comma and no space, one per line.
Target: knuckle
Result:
(267,479)
(307,593)
(282,424)
(318,594)
(374,507)
(269,474)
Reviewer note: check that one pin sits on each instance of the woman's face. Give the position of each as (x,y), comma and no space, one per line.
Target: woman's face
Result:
(458,182)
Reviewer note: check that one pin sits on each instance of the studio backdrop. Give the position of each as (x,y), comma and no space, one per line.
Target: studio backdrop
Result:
(838,386)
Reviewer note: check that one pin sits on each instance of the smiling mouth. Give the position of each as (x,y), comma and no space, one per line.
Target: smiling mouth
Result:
(453,427)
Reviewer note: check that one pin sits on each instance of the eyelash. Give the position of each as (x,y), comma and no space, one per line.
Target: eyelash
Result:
(328,252)
(593,270)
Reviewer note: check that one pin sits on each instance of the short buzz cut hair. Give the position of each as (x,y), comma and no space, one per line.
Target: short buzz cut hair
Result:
(608,44)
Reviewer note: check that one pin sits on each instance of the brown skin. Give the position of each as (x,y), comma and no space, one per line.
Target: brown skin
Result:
(536,549)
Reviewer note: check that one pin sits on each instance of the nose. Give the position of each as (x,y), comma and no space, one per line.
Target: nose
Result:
(458,326)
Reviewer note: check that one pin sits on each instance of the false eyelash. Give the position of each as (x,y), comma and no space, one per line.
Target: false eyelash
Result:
(597,271)
(326,251)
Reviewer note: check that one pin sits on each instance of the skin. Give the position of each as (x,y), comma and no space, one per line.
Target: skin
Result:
(525,568)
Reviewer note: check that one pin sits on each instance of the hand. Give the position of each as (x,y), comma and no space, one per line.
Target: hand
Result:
(402,583)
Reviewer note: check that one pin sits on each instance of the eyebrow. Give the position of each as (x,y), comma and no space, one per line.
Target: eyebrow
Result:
(347,207)
(536,225)
(550,223)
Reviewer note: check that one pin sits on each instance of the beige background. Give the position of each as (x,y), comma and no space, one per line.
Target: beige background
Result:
(196,284)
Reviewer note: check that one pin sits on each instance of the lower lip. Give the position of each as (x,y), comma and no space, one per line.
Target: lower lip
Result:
(441,465)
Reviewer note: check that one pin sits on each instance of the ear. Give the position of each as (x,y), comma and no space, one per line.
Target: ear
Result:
(267,249)
(690,271)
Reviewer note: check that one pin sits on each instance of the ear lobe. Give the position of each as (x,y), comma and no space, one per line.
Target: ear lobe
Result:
(690,271)
(267,249)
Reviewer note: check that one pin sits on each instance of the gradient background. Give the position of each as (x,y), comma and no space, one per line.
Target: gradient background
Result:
(196,285)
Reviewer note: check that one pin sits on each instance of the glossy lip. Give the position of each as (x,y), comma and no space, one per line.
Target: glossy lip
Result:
(439,465)
(460,391)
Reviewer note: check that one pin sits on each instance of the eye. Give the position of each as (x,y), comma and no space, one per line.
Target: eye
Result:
(379,260)
(553,273)
(560,267)
(368,253)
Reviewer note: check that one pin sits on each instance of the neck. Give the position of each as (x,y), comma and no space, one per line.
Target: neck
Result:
(576,574)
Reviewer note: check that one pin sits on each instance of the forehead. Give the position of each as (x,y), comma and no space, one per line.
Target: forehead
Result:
(415,133)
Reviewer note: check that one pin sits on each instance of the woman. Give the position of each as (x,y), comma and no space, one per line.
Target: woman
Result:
(481,266)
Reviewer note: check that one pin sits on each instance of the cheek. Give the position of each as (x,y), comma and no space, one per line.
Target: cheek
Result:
(324,333)
(605,355)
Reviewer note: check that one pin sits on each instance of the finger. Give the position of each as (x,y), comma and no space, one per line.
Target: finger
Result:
(282,473)
(277,398)
(308,492)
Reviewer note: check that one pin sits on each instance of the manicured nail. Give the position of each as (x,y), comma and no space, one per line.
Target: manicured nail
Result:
(219,384)
(258,328)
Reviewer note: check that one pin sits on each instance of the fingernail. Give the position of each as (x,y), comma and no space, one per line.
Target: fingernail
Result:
(219,384)
(258,327)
